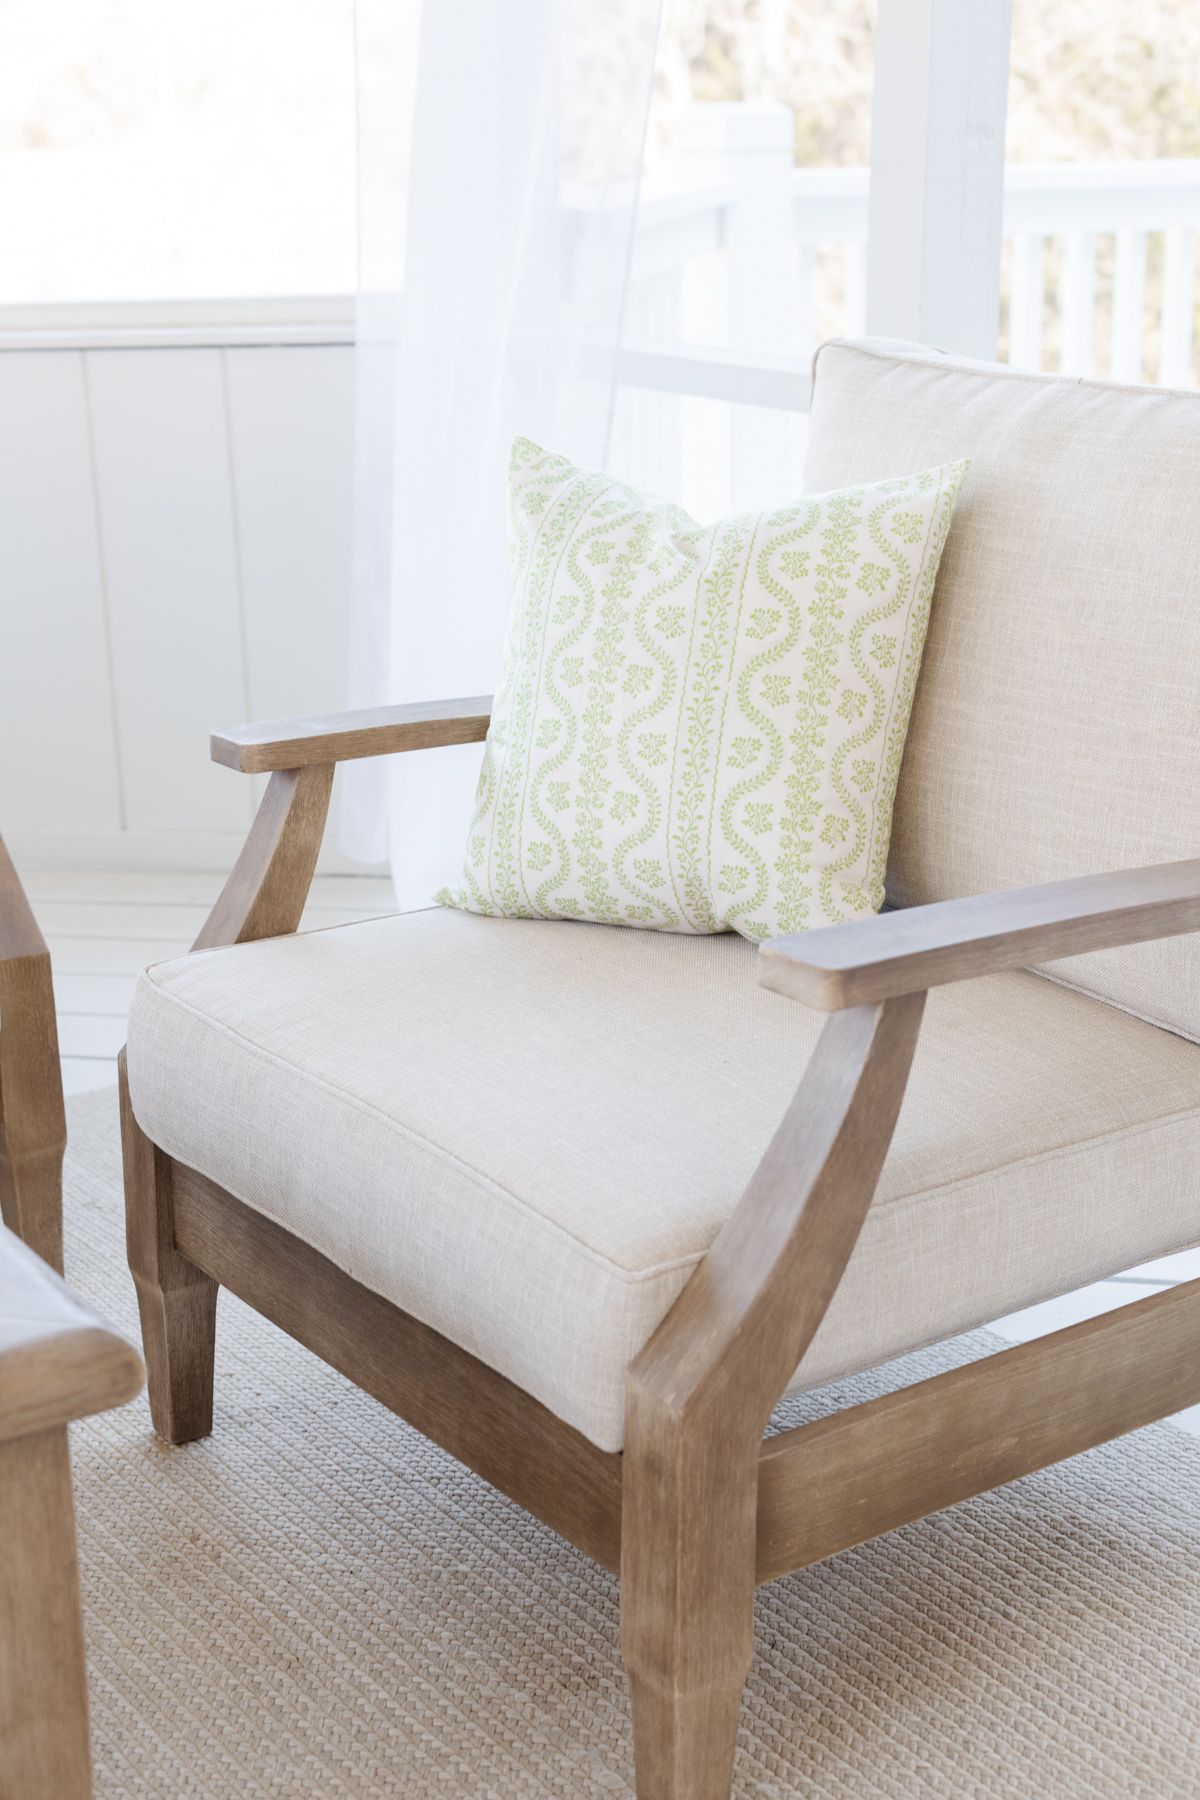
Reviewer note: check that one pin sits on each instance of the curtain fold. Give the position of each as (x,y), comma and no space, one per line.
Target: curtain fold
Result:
(498,192)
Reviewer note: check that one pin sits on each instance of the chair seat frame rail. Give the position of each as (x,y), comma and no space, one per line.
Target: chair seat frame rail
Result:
(700,1505)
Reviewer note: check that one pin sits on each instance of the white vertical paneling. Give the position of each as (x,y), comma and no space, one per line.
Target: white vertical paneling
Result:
(1027,301)
(291,433)
(937,172)
(292,446)
(168,539)
(58,764)
(1129,305)
(1178,308)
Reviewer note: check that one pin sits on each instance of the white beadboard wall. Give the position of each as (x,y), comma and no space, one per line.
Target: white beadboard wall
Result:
(174,555)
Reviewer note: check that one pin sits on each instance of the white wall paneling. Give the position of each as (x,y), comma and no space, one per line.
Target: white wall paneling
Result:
(58,756)
(174,555)
(292,441)
(169,541)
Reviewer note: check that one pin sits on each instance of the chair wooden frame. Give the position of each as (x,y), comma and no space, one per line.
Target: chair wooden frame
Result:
(33,1126)
(58,1362)
(700,1505)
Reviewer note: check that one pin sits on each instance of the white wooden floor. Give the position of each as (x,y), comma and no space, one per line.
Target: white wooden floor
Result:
(103,928)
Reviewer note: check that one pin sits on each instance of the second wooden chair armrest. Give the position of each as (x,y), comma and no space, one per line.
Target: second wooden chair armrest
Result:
(58,1362)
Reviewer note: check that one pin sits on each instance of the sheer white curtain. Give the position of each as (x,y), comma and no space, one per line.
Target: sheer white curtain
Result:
(500,151)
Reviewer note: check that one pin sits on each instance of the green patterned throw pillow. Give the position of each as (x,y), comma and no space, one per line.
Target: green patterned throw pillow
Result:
(699,728)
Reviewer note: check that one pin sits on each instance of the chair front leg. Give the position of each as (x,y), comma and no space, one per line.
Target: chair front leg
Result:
(177,1301)
(689,1507)
(43,1680)
(263,897)
(31,1199)
(700,1395)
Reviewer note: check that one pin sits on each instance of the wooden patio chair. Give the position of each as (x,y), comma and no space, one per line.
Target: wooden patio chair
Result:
(582,1203)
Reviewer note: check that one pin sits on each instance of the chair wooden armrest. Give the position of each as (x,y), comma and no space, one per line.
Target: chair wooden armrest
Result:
(33,1130)
(755,1303)
(707,1506)
(920,947)
(58,1362)
(265,894)
(343,737)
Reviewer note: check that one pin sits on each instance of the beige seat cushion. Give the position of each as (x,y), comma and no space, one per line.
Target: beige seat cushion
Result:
(1056,729)
(527,1133)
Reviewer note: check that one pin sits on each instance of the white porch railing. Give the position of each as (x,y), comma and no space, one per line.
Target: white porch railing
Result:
(1100,265)
(1099,275)
(1118,242)
(740,271)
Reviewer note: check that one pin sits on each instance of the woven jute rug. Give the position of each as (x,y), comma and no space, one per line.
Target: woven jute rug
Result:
(316,1602)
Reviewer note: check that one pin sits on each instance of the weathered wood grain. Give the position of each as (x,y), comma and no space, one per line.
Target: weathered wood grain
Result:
(343,737)
(700,1394)
(33,1126)
(920,947)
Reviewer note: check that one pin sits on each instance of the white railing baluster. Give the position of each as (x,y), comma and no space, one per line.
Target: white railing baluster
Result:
(1077,302)
(806,299)
(759,250)
(855,253)
(1129,306)
(1027,300)
(1178,308)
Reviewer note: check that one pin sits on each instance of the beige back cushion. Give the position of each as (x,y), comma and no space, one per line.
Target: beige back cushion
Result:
(1056,729)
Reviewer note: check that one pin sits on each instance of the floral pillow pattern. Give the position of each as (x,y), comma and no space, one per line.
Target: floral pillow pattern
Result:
(699,728)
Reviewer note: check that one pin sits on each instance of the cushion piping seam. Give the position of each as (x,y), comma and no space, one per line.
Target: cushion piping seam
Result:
(636,1277)
(438,1151)
(932,359)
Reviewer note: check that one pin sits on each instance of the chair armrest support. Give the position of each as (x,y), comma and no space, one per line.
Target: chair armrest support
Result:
(700,1393)
(920,947)
(19,933)
(754,1303)
(266,892)
(343,737)
(265,895)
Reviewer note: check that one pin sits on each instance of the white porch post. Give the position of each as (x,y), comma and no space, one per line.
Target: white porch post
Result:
(748,146)
(937,172)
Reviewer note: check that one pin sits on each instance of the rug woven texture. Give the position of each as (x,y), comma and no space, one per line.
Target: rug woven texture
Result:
(317,1602)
